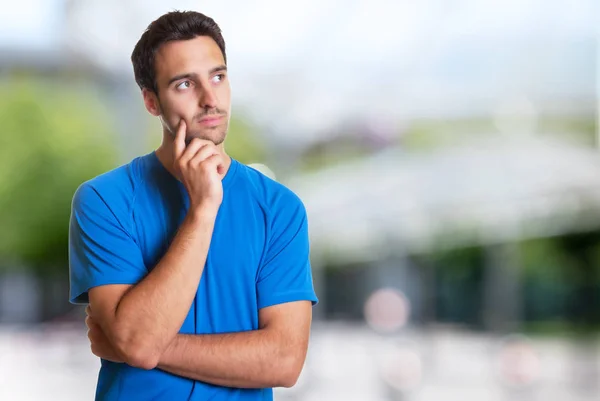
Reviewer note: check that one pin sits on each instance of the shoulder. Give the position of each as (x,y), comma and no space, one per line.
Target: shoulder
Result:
(113,191)
(276,196)
(283,208)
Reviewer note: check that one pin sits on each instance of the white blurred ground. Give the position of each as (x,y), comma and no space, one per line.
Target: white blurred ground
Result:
(345,363)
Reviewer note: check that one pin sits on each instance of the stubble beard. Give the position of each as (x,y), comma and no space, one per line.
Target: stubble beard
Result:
(218,137)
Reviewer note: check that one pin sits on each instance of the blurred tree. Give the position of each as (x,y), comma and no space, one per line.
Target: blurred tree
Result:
(544,286)
(53,137)
(332,152)
(459,277)
(583,276)
(243,144)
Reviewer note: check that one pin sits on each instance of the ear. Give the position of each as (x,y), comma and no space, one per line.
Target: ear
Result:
(151,102)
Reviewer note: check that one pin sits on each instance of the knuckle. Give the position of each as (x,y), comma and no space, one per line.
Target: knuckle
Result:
(206,164)
(197,141)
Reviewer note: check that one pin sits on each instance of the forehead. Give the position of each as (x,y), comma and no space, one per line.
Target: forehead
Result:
(183,56)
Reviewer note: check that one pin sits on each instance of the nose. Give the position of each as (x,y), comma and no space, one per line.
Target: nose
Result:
(207,97)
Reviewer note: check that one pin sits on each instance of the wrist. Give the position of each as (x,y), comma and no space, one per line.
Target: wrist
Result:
(165,357)
(202,213)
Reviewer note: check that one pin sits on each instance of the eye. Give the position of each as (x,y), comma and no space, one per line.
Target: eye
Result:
(218,78)
(183,85)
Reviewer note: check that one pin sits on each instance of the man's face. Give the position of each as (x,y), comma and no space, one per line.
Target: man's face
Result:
(192,85)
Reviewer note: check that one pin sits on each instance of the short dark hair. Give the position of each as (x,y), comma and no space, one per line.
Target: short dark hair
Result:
(175,25)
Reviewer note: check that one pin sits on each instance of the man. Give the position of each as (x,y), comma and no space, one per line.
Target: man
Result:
(195,267)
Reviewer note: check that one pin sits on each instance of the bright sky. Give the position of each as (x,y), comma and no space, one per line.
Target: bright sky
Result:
(30,24)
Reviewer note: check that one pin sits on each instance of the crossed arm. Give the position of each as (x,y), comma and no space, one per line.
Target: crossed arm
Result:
(272,356)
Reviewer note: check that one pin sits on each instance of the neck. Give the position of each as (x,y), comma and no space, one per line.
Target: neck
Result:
(165,154)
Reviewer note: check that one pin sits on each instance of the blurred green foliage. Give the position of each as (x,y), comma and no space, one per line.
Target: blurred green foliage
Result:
(53,137)
(242,142)
(332,153)
(559,283)
(427,135)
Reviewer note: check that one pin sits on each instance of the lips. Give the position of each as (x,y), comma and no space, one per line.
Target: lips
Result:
(211,121)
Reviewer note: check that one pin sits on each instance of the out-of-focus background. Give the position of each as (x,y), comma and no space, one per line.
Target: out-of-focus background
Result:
(447,152)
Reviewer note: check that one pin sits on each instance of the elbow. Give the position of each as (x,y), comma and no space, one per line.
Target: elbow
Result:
(140,357)
(137,351)
(289,373)
(289,381)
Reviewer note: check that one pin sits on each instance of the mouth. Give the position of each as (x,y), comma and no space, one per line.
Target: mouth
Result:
(211,121)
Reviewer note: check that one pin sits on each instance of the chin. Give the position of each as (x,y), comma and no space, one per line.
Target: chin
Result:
(216,137)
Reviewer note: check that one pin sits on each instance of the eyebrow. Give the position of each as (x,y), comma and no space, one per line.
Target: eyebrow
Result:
(182,76)
(194,75)
(217,69)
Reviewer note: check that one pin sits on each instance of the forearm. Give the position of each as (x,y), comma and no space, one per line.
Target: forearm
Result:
(151,313)
(250,359)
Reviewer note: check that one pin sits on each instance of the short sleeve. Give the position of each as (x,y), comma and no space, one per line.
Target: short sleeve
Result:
(285,274)
(100,250)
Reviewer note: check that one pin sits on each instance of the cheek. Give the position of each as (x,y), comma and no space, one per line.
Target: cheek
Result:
(224,92)
(176,109)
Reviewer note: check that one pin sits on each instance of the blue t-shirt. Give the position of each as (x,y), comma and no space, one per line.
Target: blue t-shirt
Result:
(121,225)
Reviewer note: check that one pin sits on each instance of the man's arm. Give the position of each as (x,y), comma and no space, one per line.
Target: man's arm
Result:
(272,356)
(140,321)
